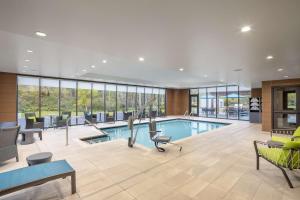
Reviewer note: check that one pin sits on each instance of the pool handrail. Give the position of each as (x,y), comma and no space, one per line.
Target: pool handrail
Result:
(67,126)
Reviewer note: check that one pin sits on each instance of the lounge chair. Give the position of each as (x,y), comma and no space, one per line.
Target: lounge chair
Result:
(159,139)
(61,121)
(285,157)
(127,115)
(27,177)
(110,117)
(8,143)
(90,117)
(34,122)
(287,132)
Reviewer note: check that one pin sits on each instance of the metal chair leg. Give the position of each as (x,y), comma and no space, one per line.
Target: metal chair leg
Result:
(287,178)
(160,149)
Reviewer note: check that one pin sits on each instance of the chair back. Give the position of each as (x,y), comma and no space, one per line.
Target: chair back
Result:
(30,115)
(8,136)
(152,129)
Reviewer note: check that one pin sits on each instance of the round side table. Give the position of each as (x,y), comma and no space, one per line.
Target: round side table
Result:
(39,158)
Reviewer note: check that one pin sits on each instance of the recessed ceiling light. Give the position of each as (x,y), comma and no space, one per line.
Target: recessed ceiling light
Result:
(84,70)
(40,34)
(29,51)
(25,66)
(286,76)
(205,76)
(237,70)
(141,59)
(222,80)
(269,57)
(279,69)
(245,29)
(27,60)
(181,69)
(93,66)
(104,61)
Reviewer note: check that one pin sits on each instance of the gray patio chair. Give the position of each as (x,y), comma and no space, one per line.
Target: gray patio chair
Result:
(8,143)
(159,139)
(34,122)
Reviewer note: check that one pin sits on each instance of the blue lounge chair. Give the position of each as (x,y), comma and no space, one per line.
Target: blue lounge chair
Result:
(26,177)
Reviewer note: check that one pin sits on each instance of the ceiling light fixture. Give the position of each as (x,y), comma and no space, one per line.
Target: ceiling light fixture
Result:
(238,70)
(141,59)
(29,51)
(27,60)
(104,61)
(279,69)
(205,76)
(93,66)
(181,69)
(269,57)
(245,29)
(25,66)
(40,34)
(84,70)
(286,76)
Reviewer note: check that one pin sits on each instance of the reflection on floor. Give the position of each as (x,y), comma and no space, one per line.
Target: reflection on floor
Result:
(216,165)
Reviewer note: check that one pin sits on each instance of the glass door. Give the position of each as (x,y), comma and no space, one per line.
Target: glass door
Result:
(194,105)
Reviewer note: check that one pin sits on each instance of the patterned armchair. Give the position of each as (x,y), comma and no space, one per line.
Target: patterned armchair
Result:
(8,143)
(34,122)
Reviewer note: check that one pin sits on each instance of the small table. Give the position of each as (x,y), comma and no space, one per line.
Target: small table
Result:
(274,144)
(39,158)
(27,135)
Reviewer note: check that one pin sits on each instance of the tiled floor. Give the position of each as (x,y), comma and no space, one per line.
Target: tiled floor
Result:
(216,165)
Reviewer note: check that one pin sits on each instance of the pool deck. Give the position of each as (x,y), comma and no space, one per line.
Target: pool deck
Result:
(216,165)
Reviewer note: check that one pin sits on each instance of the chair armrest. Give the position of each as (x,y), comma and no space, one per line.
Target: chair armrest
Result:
(295,137)
(282,131)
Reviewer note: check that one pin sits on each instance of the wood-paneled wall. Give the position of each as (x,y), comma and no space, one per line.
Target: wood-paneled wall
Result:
(177,101)
(8,97)
(267,99)
(256,92)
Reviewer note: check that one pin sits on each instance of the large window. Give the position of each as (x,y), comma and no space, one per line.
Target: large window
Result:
(84,100)
(49,100)
(244,95)
(162,102)
(222,102)
(202,102)
(155,100)
(226,102)
(233,102)
(110,98)
(68,98)
(140,100)
(28,97)
(121,101)
(148,99)
(131,99)
(211,102)
(98,101)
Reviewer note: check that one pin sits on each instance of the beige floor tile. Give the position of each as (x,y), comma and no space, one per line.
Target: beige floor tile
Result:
(210,192)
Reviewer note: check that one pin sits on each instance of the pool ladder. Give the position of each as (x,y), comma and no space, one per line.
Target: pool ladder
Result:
(187,115)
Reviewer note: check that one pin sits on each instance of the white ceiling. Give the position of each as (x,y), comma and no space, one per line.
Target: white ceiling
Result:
(201,36)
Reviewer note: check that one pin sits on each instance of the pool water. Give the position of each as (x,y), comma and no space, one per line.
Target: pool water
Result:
(177,129)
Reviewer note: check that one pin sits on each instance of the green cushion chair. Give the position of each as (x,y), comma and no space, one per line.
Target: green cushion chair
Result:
(285,157)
